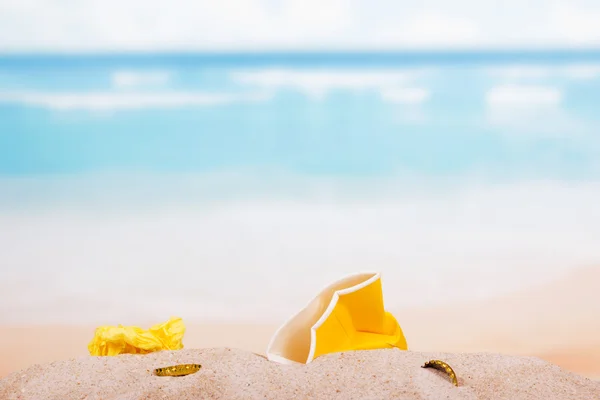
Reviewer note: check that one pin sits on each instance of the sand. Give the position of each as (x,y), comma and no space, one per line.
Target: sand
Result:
(238,374)
(582,361)
(23,346)
(558,323)
(554,317)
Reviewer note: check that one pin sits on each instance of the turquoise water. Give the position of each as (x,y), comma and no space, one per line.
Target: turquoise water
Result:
(178,183)
(307,114)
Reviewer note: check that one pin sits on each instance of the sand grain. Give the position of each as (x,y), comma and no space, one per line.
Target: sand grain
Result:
(238,374)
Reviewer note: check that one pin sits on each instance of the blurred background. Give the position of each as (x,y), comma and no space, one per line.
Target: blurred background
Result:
(224,160)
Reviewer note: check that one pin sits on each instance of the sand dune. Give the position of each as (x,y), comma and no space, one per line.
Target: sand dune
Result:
(237,374)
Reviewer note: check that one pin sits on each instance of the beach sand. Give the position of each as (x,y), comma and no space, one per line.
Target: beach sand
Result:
(22,347)
(238,374)
(557,322)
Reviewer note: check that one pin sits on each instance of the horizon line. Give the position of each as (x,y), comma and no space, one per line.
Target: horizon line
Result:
(315,56)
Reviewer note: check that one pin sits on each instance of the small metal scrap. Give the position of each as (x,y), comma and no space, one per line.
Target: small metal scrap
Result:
(178,370)
(442,366)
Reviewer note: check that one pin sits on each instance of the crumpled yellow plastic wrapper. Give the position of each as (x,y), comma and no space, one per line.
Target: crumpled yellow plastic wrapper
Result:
(114,340)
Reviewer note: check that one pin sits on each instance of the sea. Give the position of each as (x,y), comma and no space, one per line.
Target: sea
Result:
(235,186)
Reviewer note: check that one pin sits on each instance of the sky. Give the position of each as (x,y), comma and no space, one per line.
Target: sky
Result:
(246,25)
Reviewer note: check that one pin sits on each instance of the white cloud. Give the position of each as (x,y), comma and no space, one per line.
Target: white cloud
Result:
(110,101)
(172,24)
(294,24)
(129,79)
(523,96)
(578,25)
(432,30)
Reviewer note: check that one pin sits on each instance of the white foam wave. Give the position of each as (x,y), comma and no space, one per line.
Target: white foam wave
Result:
(318,83)
(110,101)
(239,258)
(405,95)
(536,72)
(133,78)
(523,96)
